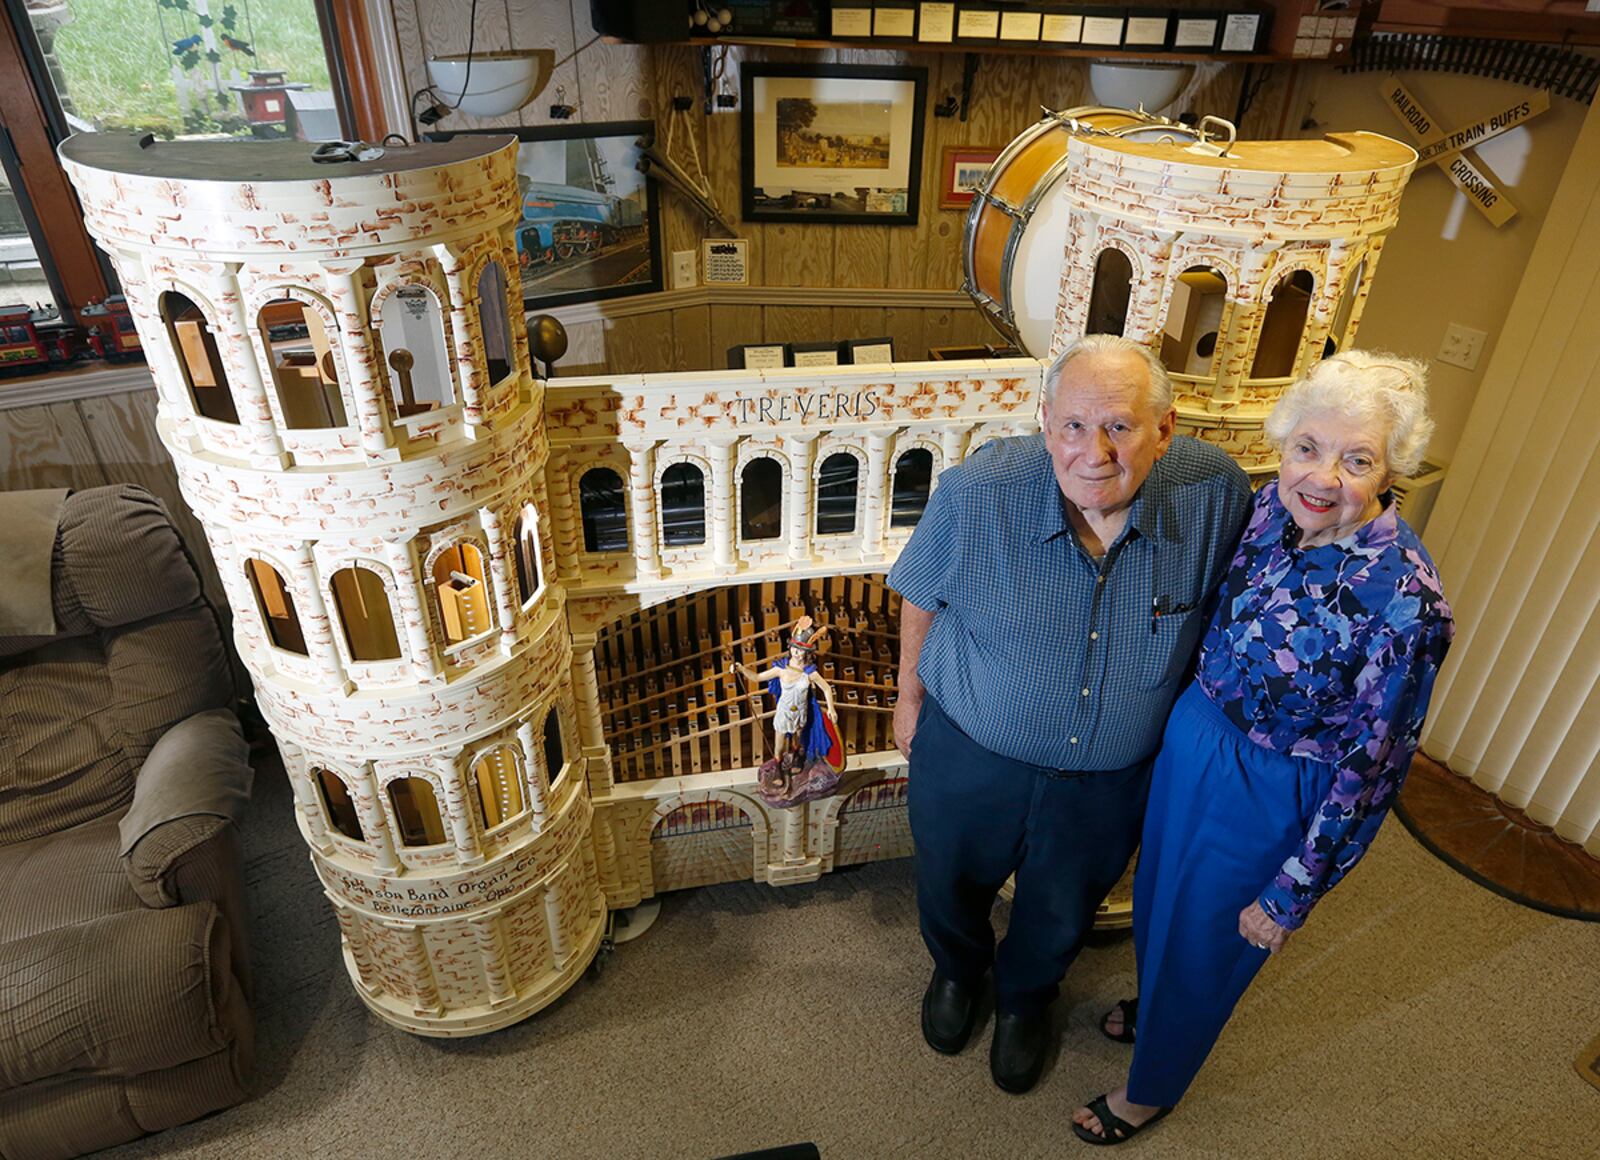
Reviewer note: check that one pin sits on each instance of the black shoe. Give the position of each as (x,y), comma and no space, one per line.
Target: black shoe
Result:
(1016,1054)
(948,1012)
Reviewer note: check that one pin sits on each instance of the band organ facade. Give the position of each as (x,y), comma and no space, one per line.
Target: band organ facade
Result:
(488,617)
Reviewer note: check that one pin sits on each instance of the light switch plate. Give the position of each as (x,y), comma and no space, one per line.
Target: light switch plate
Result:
(683,269)
(1462,346)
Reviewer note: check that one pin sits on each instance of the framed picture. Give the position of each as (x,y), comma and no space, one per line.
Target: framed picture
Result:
(590,222)
(837,144)
(963,168)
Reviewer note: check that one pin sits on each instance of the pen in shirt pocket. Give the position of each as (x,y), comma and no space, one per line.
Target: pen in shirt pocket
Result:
(1165,606)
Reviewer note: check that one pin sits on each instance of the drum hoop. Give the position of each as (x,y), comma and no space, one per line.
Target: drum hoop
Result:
(1009,154)
(1045,186)
(1008,264)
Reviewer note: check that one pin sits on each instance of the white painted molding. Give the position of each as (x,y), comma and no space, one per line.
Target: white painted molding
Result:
(889,298)
(66,388)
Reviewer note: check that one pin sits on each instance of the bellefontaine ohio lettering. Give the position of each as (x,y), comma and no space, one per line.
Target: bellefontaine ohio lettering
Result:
(800,407)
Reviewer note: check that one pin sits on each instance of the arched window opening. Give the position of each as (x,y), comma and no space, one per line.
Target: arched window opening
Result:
(340,807)
(302,364)
(683,505)
(363,609)
(277,607)
(605,516)
(1338,336)
(1194,317)
(913,480)
(463,590)
(554,755)
(1283,326)
(527,554)
(499,786)
(198,357)
(411,327)
(761,501)
(1112,290)
(492,320)
(416,811)
(837,480)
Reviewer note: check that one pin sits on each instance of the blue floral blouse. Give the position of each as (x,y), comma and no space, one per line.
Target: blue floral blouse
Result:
(1328,654)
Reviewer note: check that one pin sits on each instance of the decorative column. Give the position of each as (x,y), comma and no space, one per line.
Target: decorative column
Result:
(1358,308)
(642,496)
(725,499)
(801,450)
(244,373)
(368,379)
(355,938)
(953,444)
(464,335)
(506,593)
(374,822)
(533,778)
(456,776)
(407,584)
(605,853)
(559,947)
(794,834)
(568,544)
(491,942)
(872,517)
(1152,278)
(305,796)
(315,624)
(1242,314)
(424,991)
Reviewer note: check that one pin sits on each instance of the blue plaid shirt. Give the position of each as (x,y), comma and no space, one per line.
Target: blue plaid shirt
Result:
(1041,653)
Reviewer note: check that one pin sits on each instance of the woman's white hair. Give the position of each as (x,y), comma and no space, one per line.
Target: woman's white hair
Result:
(1103,344)
(1367,385)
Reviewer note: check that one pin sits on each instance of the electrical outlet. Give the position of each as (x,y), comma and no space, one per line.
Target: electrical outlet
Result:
(1462,346)
(683,268)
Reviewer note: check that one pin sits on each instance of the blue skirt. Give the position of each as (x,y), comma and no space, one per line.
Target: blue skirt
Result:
(1224,815)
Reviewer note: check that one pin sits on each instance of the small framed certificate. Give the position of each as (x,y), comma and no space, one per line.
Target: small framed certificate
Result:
(855,23)
(1196,34)
(978,24)
(1143,31)
(936,23)
(756,356)
(813,354)
(1106,30)
(894,21)
(1023,26)
(1241,31)
(870,351)
(1057,29)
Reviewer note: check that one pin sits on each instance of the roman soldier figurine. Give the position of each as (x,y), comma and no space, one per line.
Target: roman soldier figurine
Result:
(809,755)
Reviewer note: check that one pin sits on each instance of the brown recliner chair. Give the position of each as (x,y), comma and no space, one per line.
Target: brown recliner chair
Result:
(124,973)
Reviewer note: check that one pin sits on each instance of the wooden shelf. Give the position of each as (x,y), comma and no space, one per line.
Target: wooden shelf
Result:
(1031,49)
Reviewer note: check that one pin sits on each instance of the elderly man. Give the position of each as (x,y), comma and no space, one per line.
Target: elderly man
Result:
(1055,591)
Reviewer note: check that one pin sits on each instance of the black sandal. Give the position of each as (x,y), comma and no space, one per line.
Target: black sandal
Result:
(1130,1015)
(1118,1130)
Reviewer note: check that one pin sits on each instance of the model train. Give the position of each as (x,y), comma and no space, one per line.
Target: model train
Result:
(34,339)
(562,222)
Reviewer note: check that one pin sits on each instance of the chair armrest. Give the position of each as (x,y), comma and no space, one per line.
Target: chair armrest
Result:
(180,840)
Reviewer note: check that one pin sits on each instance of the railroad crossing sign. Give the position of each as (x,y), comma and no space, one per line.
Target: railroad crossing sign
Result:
(1447,149)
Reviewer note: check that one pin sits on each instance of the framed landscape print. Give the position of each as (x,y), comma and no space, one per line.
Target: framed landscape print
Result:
(962,171)
(589,226)
(832,143)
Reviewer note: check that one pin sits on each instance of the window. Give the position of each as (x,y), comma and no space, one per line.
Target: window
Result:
(836,494)
(463,593)
(492,319)
(411,328)
(363,609)
(302,364)
(913,480)
(761,499)
(416,811)
(1194,316)
(1337,337)
(277,607)
(198,357)
(605,520)
(1283,326)
(554,759)
(1113,287)
(683,505)
(337,802)
(526,552)
(499,778)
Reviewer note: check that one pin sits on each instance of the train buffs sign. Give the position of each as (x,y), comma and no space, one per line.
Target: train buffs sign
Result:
(1446,148)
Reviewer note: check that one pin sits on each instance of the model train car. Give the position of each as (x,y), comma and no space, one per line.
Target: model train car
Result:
(33,339)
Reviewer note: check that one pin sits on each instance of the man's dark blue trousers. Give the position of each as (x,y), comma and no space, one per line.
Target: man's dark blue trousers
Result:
(977,818)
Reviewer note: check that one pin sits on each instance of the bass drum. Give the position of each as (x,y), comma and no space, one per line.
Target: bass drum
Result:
(1016,232)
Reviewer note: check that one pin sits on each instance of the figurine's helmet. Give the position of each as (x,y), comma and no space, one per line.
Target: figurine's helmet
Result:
(806,635)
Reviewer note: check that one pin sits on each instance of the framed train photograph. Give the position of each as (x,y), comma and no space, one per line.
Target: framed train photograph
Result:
(832,143)
(590,221)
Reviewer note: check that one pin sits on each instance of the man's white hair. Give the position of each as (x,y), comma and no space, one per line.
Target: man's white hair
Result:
(1365,385)
(1103,344)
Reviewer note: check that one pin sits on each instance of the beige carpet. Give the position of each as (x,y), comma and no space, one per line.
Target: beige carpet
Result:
(1418,1015)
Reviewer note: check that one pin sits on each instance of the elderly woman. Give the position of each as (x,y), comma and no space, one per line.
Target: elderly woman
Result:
(1281,759)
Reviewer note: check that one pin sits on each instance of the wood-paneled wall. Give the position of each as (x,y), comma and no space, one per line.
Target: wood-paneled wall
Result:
(622,82)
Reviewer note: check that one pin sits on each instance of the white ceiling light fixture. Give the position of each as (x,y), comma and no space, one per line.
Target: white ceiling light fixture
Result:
(491,84)
(1137,84)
